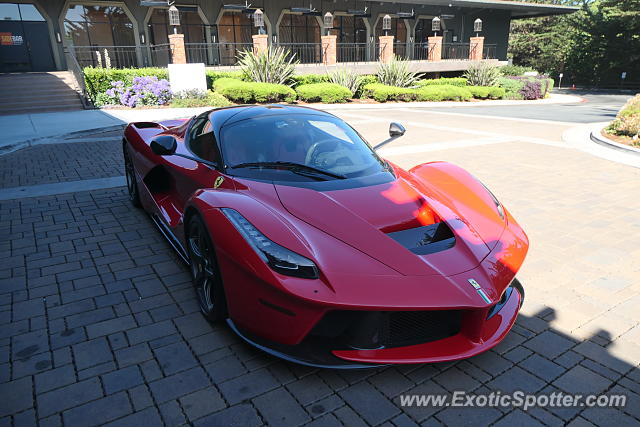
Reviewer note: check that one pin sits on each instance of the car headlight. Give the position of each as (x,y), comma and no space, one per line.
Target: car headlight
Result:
(499,207)
(277,257)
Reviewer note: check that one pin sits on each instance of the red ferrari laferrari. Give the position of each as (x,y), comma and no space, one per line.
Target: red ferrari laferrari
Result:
(315,249)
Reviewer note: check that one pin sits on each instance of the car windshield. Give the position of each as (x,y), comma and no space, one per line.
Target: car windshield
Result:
(297,147)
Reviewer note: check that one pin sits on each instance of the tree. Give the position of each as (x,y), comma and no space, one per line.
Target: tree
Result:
(592,46)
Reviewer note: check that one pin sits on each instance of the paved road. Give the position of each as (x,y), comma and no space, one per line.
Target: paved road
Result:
(99,324)
(599,107)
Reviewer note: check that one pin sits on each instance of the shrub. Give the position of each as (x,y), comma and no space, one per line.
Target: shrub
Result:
(383,93)
(443,93)
(366,80)
(307,79)
(514,70)
(396,73)
(486,92)
(347,78)
(512,87)
(627,122)
(526,87)
(98,80)
(453,81)
(274,65)
(246,92)
(201,99)
(143,91)
(328,93)
(212,76)
(482,74)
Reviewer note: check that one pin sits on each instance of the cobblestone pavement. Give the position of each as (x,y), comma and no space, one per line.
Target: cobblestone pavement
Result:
(99,323)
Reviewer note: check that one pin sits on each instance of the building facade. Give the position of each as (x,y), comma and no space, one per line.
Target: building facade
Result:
(34,34)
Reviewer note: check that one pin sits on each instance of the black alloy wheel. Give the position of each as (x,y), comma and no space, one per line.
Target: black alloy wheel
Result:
(204,271)
(130,173)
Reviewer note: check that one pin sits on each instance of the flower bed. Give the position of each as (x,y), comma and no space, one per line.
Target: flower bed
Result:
(626,126)
(526,87)
(143,91)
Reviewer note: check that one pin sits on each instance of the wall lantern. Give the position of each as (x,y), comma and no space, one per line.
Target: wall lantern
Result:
(477,26)
(386,24)
(258,20)
(435,25)
(328,22)
(174,18)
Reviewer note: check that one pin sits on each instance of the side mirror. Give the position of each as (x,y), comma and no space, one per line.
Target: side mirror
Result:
(164,145)
(396,130)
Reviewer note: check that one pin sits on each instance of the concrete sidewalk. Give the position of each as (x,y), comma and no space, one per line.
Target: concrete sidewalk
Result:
(23,130)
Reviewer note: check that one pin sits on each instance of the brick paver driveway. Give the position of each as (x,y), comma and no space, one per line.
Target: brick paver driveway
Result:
(99,323)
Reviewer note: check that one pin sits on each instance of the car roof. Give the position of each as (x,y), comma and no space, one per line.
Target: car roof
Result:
(228,115)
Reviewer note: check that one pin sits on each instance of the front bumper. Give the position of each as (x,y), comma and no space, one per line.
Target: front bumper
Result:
(331,344)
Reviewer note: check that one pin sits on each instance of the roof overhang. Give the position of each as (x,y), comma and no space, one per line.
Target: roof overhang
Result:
(518,9)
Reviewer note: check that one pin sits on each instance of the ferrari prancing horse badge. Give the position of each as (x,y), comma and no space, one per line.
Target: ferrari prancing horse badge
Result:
(218,182)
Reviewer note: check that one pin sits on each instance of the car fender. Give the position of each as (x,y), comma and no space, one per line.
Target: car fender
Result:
(467,198)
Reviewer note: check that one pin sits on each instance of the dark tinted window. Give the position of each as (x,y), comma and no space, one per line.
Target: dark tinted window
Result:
(202,142)
(319,141)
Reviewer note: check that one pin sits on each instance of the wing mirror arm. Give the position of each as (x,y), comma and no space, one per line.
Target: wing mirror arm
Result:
(396,130)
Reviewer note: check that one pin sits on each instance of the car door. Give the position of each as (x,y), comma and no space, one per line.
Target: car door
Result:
(201,144)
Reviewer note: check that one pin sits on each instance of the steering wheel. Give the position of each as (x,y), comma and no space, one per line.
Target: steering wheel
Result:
(313,152)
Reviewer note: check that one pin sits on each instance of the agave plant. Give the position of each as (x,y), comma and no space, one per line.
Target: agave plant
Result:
(347,78)
(482,74)
(396,73)
(274,65)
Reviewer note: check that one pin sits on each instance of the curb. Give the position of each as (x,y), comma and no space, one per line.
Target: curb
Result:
(56,139)
(597,137)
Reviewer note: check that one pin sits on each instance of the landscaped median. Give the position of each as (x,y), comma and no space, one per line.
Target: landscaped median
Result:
(269,79)
(623,133)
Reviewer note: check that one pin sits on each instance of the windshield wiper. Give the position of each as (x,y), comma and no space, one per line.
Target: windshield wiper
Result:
(288,165)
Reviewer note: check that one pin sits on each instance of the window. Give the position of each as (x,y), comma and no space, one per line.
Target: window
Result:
(19,12)
(202,142)
(349,29)
(236,27)
(299,29)
(99,26)
(191,25)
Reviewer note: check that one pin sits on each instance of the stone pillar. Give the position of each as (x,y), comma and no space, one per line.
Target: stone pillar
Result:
(260,43)
(178,54)
(329,49)
(476,48)
(434,44)
(386,49)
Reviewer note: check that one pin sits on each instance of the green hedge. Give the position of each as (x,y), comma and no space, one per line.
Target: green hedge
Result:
(486,92)
(327,93)
(383,93)
(307,79)
(212,99)
(453,81)
(98,80)
(247,92)
(212,76)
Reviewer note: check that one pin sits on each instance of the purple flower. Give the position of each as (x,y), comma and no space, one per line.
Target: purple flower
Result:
(146,90)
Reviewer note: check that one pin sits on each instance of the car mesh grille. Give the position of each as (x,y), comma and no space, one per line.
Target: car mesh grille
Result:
(402,328)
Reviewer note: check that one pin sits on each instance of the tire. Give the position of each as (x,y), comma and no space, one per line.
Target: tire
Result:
(130,174)
(516,284)
(205,272)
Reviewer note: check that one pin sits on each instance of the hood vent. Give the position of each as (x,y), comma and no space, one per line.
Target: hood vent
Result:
(425,240)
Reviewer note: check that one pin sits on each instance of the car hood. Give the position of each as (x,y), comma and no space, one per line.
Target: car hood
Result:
(362,217)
